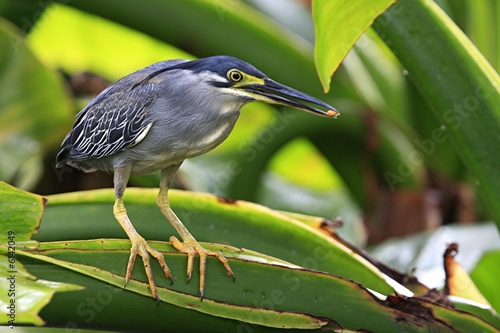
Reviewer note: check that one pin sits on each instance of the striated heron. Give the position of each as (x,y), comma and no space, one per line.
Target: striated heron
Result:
(155,118)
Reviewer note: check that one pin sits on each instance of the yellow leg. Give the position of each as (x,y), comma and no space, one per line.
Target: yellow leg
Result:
(139,247)
(189,245)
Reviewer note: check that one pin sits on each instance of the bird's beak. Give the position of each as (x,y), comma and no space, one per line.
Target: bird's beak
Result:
(277,93)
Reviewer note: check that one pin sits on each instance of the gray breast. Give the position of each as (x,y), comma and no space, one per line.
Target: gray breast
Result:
(183,126)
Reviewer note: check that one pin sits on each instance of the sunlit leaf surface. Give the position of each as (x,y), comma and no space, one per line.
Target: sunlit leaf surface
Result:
(338,25)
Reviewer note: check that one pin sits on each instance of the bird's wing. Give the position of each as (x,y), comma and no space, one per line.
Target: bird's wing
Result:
(115,121)
(116,118)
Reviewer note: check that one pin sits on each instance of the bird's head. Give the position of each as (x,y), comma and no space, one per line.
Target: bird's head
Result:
(242,80)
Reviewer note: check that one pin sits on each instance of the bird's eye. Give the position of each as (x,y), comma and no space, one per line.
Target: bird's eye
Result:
(235,75)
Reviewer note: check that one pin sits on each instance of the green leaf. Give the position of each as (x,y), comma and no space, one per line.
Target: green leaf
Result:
(23,296)
(21,213)
(181,294)
(485,312)
(29,89)
(284,297)
(464,322)
(338,25)
(484,276)
(317,174)
(480,21)
(34,109)
(59,47)
(210,219)
(457,82)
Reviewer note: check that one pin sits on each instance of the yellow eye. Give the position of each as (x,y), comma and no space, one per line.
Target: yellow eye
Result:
(235,75)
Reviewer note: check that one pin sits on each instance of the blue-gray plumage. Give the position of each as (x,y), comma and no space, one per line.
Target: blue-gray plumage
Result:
(155,118)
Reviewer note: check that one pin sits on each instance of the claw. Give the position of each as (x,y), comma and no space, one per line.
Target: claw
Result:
(140,247)
(191,254)
(191,248)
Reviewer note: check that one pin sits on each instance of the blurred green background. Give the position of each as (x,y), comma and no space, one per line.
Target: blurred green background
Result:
(385,166)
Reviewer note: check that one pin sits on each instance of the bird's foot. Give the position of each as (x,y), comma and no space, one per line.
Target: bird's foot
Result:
(191,248)
(140,247)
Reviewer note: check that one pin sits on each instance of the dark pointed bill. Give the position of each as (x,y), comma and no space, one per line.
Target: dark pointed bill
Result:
(280,94)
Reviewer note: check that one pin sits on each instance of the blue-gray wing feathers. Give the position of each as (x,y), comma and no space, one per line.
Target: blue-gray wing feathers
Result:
(116,118)
(112,124)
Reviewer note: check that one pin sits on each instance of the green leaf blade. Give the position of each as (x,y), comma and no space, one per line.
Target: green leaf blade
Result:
(338,25)
(34,109)
(484,275)
(210,219)
(23,295)
(456,81)
(277,301)
(21,214)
